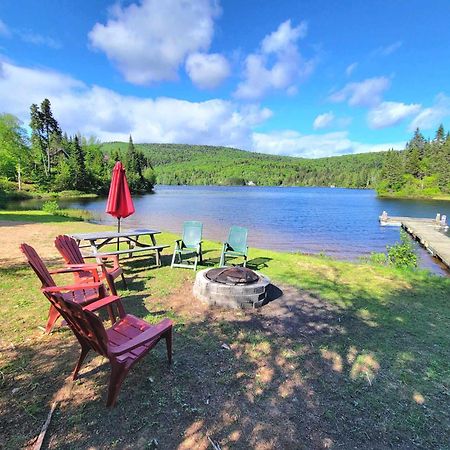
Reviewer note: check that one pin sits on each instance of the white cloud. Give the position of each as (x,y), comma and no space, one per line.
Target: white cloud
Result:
(351,68)
(387,114)
(94,110)
(148,41)
(364,93)
(431,118)
(293,143)
(323,120)
(207,71)
(38,39)
(277,65)
(4,30)
(388,49)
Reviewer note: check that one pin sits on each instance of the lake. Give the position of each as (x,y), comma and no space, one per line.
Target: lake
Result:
(342,223)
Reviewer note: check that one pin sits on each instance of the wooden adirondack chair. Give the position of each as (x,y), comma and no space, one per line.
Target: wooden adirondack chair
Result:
(93,293)
(124,344)
(236,245)
(190,244)
(71,253)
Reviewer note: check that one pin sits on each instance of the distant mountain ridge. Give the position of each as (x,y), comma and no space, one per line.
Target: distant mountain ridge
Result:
(208,165)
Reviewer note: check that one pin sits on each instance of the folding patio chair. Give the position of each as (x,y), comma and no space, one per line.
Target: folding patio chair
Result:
(190,244)
(236,245)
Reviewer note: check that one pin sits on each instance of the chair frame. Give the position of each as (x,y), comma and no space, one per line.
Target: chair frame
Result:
(124,344)
(70,251)
(181,248)
(227,249)
(93,293)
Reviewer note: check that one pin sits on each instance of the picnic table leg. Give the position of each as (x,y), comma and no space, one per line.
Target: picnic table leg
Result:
(93,247)
(157,253)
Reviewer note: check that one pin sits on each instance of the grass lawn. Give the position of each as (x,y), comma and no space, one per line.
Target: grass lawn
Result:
(350,356)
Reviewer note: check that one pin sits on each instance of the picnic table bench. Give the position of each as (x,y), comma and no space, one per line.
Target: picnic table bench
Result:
(131,237)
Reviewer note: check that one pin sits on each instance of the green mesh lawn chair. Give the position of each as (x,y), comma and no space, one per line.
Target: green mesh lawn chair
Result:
(236,245)
(190,244)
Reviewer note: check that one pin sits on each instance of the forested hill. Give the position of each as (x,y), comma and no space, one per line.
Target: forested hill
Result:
(206,165)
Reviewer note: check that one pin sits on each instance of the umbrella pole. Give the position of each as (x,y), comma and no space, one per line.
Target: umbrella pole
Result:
(118,230)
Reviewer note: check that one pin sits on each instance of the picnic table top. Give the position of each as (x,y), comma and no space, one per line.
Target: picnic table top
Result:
(113,234)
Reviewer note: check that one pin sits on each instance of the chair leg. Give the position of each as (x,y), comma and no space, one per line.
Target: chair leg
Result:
(173,258)
(124,281)
(53,315)
(195,261)
(118,374)
(201,253)
(84,351)
(222,260)
(169,341)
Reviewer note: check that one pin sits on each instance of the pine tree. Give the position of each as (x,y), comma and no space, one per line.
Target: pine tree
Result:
(80,181)
(45,134)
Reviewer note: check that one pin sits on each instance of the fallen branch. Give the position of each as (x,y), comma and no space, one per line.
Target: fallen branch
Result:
(215,446)
(40,439)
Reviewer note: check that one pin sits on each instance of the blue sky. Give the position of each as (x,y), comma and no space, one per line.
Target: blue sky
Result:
(305,78)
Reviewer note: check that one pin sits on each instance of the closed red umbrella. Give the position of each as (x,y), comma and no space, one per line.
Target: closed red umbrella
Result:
(120,203)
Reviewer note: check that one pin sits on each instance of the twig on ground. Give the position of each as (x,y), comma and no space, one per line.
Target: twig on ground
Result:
(215,446)
(40,439)
(59,397)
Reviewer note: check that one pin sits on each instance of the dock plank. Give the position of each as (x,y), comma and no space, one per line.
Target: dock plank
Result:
(427,232)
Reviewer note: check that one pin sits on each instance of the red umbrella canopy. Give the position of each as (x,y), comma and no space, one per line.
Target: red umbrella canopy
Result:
(120,203)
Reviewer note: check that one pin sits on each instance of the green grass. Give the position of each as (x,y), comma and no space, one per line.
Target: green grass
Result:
(360,359)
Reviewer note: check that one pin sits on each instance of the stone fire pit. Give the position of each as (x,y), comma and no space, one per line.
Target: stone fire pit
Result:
(233,287)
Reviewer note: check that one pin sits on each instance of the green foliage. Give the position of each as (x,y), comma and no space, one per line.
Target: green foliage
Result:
(51,207)
(421,170)
(14,151)
(138,168)
(179,164)
(403,254)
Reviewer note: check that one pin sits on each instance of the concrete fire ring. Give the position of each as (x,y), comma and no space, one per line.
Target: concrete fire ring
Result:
(252,295)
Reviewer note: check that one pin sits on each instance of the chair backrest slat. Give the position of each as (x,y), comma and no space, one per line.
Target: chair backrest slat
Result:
(36,263)
(85,324)
(237,238)
(69,249)
(192,233)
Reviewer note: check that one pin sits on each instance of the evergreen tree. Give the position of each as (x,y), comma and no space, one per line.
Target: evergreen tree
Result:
(46,135)
(392,171)
(76,161)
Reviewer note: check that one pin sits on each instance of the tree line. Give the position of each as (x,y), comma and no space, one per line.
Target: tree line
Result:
(421,170)
(50,160)
(47,159)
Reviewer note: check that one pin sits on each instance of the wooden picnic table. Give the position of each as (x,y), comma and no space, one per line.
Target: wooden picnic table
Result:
(99,239)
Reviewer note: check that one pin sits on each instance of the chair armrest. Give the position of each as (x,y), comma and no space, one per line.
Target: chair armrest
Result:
(101,303)
(84,267)
(155,332)
(73,268)
(74,287)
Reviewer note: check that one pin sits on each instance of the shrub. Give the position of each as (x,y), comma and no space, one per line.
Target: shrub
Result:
(50,207)
(402,254)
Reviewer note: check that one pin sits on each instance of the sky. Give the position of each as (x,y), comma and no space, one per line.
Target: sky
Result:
(308,78)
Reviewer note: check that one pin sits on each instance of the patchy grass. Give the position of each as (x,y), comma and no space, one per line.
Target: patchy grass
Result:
(350,356)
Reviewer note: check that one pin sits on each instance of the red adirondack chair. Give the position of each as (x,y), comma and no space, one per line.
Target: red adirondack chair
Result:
(93,293)
(124,344)
(71,253)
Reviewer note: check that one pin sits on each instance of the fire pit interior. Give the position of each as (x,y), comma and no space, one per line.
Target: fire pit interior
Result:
(235,287)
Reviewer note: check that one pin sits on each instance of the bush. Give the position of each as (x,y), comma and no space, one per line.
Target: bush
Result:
(51,207)
(402,254)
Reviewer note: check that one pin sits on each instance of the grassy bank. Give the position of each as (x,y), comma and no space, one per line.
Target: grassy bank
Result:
(350,356)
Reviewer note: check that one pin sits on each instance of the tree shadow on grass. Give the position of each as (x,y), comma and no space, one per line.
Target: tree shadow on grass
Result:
(365,370)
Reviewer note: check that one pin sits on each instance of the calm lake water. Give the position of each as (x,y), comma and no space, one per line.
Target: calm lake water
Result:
(342,223)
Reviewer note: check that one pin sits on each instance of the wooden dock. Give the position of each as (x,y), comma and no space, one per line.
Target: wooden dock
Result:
(428,232)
